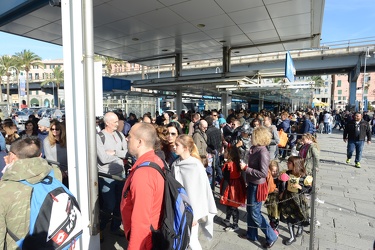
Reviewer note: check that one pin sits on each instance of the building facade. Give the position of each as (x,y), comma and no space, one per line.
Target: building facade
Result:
(341,89)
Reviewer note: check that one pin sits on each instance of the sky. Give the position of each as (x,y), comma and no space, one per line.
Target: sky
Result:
(343,20)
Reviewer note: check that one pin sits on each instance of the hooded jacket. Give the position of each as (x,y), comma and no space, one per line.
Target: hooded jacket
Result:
(15,197)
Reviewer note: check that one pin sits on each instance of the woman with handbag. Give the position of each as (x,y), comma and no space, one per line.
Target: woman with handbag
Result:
(256,172)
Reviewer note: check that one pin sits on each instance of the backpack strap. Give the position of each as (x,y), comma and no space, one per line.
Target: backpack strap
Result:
(151,165)
(102,136)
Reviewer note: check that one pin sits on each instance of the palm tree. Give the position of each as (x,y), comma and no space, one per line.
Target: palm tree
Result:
(28,59)
(108,62)
(57,78)
(319,82)
(7,63)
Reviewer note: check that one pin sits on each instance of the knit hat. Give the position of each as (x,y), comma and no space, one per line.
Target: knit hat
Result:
(222,121)
(44,122)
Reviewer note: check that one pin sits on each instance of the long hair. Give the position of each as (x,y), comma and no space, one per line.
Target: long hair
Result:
(298,166)
(234,155)
(62,137)
(35,127)
(310,137)
(188,142)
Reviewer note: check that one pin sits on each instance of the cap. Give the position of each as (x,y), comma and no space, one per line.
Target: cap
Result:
(44,122)
(246,128)
(222,121)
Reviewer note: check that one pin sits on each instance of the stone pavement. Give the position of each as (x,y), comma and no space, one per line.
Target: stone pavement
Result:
(345,208)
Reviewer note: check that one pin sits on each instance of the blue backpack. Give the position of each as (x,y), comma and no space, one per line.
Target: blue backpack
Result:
(55,217)
(177,213)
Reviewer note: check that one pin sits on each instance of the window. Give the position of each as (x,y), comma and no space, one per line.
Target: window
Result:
(339,83)
(339,92)
(339,98)
(37,92)
(344,98)
(36,76)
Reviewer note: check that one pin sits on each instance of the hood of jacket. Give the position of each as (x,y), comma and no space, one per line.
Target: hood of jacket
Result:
(33,170)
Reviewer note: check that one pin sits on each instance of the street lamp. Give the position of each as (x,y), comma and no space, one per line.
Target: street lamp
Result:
(13,68)
(367,55)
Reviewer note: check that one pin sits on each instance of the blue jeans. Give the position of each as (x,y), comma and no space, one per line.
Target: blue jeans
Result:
(358,146)
(326,127)
(255,218)
(110,193)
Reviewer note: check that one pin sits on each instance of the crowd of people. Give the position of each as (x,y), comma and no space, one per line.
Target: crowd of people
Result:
(239,152)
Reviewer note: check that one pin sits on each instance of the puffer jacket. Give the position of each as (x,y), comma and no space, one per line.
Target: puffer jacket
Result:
(15,197)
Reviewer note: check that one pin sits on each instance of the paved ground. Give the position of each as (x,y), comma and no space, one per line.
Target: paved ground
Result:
(345,209)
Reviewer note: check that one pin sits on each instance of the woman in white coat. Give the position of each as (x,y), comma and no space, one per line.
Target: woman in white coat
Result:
(190,172)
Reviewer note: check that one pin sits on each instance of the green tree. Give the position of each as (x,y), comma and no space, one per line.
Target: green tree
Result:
(7,62)
(109,62)
(27,60)
(57,78)
(319,82)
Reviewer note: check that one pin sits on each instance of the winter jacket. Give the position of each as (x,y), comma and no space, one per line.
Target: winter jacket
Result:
(200,140)
(364,131)
(285,125)
(142,205)
(259,160)
(15,197)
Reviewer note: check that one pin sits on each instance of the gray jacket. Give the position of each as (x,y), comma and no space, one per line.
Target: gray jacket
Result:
(111,164)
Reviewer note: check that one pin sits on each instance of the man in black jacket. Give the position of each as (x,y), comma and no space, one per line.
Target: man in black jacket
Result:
(355,133)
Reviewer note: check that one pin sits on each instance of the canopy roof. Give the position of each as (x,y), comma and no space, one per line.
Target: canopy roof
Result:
(142,31)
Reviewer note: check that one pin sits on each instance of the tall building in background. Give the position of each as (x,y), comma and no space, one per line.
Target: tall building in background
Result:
(340,90)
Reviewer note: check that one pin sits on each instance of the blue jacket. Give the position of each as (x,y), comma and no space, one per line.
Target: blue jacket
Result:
(285,125)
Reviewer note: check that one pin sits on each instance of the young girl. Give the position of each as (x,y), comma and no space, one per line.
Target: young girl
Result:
(232,188)
(190,172)
(310,152)
(275,186)
(293,205)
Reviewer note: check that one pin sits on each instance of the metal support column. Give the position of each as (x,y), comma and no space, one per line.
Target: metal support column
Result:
(352,79)
(226,60)
(78,50)
(178,102)
(178,65)
(226,102)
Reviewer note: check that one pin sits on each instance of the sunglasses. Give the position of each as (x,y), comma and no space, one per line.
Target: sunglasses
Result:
(55,129)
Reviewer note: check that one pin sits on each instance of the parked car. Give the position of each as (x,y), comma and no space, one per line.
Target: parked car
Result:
(21,117)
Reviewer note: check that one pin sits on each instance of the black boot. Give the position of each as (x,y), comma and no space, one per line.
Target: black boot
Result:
(291,232)
(299,231)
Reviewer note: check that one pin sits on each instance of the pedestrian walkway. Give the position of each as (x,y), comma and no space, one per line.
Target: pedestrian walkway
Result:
(344,208)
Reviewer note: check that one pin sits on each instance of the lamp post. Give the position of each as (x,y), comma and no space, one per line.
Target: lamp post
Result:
(367,55)
(13,68)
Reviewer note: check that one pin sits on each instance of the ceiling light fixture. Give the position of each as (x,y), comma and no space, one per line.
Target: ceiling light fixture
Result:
(135,39)
(201,25)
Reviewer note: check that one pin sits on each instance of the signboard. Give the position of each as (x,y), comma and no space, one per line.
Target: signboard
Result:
(290,70)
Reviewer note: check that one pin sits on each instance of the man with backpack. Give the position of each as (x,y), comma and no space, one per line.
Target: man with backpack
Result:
(23,163)
(111,150)
(143,192)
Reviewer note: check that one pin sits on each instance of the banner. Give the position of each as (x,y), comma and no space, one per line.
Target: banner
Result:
(22,87)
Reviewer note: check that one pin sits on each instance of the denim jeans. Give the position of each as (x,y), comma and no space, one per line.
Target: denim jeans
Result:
(255,218)
(326,127)
(358,146)
(110,193)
